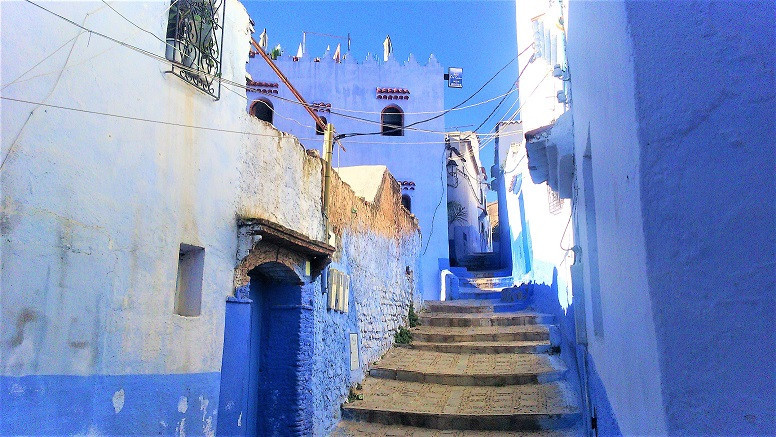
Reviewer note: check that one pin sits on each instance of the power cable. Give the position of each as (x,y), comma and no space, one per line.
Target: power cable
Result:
(147,120)
(514,115)
(226,81)
(443,113)
(40,62)
(514,86)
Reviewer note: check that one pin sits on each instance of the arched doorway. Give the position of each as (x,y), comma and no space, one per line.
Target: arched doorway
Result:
(260,384)
(267,365)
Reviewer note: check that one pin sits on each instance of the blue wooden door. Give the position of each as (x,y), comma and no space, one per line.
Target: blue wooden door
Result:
(237,404)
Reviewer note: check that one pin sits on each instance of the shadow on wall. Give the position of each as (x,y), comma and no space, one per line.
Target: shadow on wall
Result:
(576,358)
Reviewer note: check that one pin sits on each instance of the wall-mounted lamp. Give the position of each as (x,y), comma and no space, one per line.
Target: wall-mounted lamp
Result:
(560,73)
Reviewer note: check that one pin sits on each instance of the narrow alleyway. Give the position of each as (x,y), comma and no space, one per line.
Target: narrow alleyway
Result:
(476,367)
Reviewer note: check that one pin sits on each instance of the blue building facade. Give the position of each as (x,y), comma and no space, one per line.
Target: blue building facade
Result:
(365,97)
(661,332)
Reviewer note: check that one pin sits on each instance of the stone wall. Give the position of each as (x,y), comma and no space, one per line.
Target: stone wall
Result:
(379,243)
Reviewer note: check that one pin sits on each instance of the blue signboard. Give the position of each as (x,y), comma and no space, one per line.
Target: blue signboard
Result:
(455,77)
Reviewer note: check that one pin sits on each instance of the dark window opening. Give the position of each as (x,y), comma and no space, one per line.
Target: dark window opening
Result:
(392,122)
(318,128)
(406,201)
(263,110)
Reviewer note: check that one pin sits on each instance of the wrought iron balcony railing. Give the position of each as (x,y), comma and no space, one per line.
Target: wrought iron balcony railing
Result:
(195,33)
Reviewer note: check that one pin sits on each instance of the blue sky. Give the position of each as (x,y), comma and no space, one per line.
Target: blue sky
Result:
(478,36)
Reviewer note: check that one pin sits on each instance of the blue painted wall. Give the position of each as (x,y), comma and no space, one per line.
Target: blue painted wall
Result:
(706,144)
(580,364)
(148,405)
(234,415)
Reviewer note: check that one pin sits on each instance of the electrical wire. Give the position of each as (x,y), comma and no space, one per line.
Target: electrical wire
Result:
(147,120)
(356,111)
(226,81)
(514,86)
(514,115)
(40,62)
(443,113)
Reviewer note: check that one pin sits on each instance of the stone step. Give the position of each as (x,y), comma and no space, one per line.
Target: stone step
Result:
(471,306)
(508,408)
(407,364)
(484,319)
(490,282)
(437,334)
(466,293)
(348,428)
(488,347)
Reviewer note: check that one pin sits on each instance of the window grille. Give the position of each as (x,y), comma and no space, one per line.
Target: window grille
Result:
(554,200)
(195,32)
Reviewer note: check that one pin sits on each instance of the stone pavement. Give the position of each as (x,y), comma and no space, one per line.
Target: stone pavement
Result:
(473,369)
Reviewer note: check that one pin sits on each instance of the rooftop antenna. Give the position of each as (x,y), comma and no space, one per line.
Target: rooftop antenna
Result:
(304,39)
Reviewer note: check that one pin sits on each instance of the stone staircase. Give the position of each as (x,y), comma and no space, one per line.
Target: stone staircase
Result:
(476,367)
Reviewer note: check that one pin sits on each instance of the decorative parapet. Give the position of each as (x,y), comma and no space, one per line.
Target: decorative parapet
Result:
(320,107)
(392,93)
(262,87)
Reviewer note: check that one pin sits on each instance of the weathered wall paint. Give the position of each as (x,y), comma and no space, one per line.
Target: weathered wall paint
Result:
(95,209)
(158,404)
(380,249)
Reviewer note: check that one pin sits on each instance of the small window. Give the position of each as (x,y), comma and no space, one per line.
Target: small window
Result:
(263,110)
(318,129)
(406,201)
(188,290)
(392,122)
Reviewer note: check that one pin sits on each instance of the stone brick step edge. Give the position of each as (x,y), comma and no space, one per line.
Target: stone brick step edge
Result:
(476,293)
(467,308)
(454,337)
(498,319)
(489,347)
(496,380)
(484,422)
(348,428)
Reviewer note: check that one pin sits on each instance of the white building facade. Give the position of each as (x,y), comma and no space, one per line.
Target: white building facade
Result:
(468,222)
(162,249)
